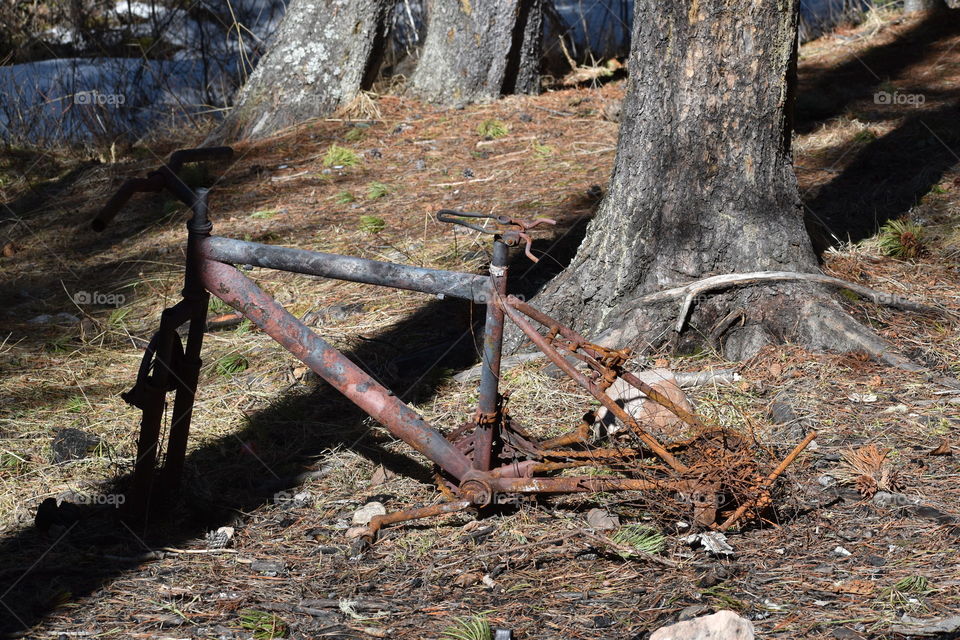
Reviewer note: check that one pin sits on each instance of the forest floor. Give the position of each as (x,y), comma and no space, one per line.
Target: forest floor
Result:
(285,461)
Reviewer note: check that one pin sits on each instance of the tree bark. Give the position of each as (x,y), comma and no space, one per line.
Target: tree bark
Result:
(703,185)
(477,50)
(323,54)
(916,6)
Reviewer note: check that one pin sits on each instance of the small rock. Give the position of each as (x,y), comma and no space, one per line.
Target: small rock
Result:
(73,444)
(366,513)
(655,417)
(302,498)
(602,520)
(897,408)
(420,164)
(826,480)
(602,622)
(268,567)
(725,625)
(611,111)
(842,552)
(714,576)
(887,499)
(526,117)
(468,173)
(375,153)
(58,318)
(862,398)
(333,313)
(691,612)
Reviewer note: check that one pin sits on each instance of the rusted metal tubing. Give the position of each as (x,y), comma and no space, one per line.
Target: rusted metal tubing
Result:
(516,469)
(353,269)
(377,522)
(594,453)
(630,378)
(769,480)
(652,443)
(580,436)
(575,484)
(488,405)
(231,286)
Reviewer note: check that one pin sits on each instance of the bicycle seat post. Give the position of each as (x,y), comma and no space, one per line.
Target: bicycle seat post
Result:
(488,416)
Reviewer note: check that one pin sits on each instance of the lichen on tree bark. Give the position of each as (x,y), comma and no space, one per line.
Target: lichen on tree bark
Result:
(476,50)
(319,59)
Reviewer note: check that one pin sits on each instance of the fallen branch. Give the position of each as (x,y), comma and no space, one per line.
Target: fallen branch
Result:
(691,290)
(455,184)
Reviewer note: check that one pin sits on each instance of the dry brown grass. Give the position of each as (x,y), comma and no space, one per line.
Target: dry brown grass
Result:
(55,376)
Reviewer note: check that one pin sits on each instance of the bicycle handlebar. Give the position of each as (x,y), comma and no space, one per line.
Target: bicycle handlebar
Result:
(155,181)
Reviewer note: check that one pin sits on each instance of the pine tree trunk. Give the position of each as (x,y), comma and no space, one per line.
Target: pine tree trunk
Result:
(703,185)
(916,6)
(476,50)
(324,52)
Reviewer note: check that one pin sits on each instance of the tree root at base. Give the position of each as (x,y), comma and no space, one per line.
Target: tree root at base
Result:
(691,290)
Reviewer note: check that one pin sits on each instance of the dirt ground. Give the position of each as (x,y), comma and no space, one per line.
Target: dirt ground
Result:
(285,461)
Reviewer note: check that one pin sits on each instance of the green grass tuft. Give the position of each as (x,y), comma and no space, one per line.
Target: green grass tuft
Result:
(492,129)
(345,197)
(474,627)
(264,625)
(372,224)
(338,156)
(232,364)
(266,214)
(640,537)
(377,190)
(541,150)
(216,305)
(901,239)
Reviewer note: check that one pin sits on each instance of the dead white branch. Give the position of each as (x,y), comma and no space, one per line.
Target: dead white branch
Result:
(691,290)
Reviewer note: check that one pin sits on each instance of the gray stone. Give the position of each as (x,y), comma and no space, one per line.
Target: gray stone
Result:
(722,625)
(73,444)
(691,612)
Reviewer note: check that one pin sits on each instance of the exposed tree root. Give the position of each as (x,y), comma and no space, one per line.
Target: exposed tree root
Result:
(693,289)
(782,309)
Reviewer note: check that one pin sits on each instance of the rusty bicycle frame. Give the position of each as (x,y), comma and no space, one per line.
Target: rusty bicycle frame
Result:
(490,459)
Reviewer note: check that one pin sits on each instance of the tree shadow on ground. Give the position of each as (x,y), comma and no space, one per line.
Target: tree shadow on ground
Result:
(78,552)
(890,174)
(825,93)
